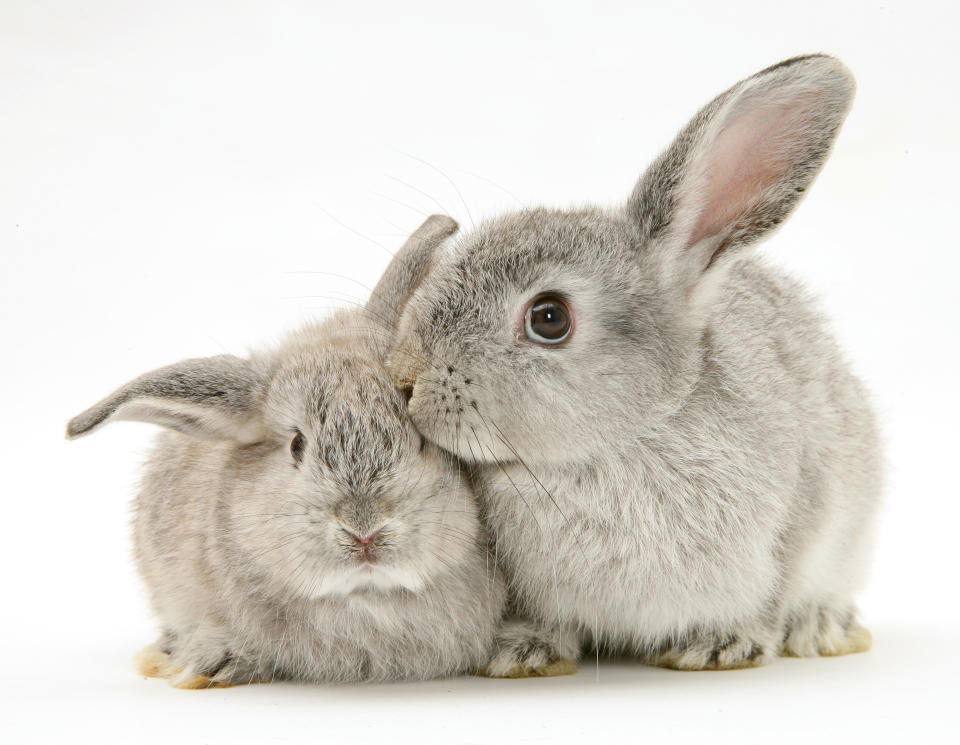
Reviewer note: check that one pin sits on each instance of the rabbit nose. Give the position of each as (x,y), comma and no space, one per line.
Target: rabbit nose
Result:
(404,371)
(363,541)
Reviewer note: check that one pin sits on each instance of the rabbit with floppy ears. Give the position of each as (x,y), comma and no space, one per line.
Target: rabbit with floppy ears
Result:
(294,524)
(672,455)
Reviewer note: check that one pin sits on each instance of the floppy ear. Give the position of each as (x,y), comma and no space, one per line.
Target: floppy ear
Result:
(741,165)
(211,398)
(407,269)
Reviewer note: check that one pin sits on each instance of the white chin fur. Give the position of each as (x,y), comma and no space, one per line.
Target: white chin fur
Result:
(368,577)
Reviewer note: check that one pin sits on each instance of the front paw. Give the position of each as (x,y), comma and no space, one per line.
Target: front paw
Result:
(523,649)
(712,651)
(195,668)
(153,662)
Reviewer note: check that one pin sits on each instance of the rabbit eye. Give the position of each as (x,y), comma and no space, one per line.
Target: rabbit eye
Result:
(548,320)
(297,445)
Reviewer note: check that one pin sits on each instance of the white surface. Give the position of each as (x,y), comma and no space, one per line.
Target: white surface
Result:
(170,173)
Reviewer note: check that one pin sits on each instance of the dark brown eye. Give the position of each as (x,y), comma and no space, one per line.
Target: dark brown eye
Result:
(297,445)
(548,320)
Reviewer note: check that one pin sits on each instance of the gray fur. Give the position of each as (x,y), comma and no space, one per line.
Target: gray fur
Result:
(694,475)
(193,396)
(411,264)
(247,550)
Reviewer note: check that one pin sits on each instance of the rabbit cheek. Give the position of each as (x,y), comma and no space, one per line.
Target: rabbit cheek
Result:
(454,419)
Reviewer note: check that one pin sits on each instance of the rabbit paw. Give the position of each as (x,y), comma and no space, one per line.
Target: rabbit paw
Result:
(523,649)
(153,662)
(712,651)
(826,632)
(211,670)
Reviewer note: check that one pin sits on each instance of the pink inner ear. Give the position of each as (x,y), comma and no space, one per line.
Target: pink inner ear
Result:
(752,153)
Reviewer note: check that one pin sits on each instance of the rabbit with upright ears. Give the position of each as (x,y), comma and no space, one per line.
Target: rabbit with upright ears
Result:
(294,524)
(671,453)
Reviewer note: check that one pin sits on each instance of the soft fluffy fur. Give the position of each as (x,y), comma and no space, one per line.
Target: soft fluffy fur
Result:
(246,548)
(694,475)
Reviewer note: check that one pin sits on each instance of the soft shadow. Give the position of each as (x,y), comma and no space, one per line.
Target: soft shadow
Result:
(894,651)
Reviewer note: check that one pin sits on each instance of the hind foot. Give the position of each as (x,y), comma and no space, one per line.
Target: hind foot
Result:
(712,651)
(524,649)
(826,632)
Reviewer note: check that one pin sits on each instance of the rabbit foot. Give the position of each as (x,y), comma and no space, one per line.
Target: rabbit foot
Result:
(825,632)
(188,681)
(712,651)
(525,650)
(155,662)
(228,672)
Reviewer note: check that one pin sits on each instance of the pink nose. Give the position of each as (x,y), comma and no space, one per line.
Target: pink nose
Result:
(363,541)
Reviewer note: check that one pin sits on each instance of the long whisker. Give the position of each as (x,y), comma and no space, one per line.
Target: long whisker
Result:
(353,230)
(502,188)
(452,183)
(503,438)
(403,204)
(420,191)
(510,479)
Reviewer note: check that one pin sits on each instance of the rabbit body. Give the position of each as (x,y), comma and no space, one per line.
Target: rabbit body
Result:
(691,472)
(294,525)
(224,545)
(737,526)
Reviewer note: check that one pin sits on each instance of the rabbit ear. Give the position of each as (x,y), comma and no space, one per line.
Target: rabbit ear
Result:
(407,269)
(743,163)
(211,398)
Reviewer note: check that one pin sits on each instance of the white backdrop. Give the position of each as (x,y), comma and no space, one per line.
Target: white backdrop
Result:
(172,173)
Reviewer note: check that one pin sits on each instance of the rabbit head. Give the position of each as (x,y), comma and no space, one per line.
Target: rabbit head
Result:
(306,452)
(558,334)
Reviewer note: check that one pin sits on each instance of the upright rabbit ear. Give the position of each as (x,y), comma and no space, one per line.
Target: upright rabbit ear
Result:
(742,164)
(212,398)
(408,267)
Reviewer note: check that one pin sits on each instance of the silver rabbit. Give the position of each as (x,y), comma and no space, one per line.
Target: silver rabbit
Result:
(294,524)
(672,454)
